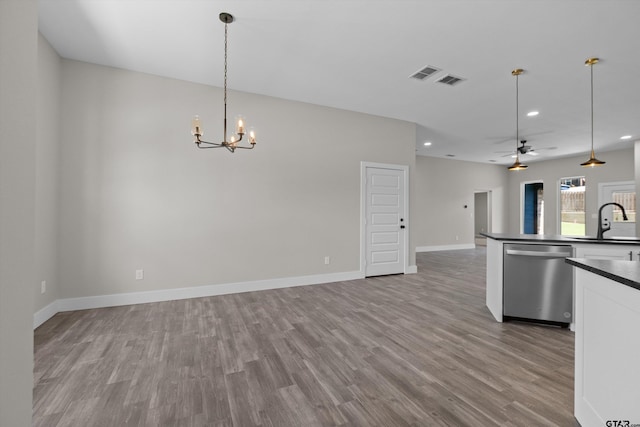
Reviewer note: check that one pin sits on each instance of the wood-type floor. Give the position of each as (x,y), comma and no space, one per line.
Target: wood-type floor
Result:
(405,350)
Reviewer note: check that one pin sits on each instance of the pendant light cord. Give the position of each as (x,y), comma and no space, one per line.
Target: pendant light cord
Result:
(517,165)
(517,120)
(591,66)
(225,82)
(590,62)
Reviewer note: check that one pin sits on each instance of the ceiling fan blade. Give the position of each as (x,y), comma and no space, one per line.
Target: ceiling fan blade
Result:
(525,136)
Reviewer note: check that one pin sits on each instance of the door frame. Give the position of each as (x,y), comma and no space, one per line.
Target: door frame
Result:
(363,211)
(602,185)
(489,209)
(601,190)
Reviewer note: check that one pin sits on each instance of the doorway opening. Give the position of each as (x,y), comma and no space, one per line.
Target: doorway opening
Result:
(482,216)
(532,208)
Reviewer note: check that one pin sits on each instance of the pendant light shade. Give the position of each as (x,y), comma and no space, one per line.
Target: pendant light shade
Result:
(517,166)
(592,160)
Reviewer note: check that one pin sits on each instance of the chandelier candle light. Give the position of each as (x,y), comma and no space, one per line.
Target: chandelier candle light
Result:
(592,160)
(517,166)
(234,140)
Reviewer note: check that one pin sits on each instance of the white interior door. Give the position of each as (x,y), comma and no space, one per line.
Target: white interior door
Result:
(385,221)
(625,194)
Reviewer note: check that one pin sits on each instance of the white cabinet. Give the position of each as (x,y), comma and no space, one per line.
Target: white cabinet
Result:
(599,251)
(494,278)
(607,372)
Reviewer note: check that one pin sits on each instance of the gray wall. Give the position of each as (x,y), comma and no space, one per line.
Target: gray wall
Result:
(47,195)
(619,167)
(135,193)
(18,79)
(443,188)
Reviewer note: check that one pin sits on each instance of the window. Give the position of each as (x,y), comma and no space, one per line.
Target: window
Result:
(624,193)
(626,199)
(572,206)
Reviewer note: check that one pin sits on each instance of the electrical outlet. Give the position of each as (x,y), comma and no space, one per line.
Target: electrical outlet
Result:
(43,286)
(327,260)
(457,237)
(139,274)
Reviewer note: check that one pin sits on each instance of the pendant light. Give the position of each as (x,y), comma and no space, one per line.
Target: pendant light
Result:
(231,143)
(517,166)
(592,160)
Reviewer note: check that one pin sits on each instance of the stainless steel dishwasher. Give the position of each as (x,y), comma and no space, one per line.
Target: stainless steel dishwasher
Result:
(538,284)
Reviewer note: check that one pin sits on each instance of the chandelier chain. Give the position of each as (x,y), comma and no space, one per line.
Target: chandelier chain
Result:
(225,63)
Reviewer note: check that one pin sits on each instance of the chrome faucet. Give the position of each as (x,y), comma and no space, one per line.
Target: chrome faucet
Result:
(602,229)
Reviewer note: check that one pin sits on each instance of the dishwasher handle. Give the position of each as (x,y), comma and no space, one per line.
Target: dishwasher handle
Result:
(539,254)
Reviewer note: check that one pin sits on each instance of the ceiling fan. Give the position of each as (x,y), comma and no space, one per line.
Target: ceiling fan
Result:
(524,149)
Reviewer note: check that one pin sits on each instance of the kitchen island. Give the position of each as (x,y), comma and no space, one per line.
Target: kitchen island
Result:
(606,320)
(621,248)
(607,343)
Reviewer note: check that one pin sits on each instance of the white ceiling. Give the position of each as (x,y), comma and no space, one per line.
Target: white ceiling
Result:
(358,55)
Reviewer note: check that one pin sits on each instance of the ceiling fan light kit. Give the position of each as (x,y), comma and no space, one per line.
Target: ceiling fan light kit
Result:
(231,142)
(593,161)
(517,166)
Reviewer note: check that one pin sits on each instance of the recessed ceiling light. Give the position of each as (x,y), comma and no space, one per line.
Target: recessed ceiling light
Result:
(626,137)
(532,113)
(426,144)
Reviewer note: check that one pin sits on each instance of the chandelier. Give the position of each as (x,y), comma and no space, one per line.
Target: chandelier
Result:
(517,166)
(233,141)
(592,160)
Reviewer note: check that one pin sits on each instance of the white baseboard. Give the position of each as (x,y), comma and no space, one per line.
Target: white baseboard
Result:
(412,269)
(45,314)
(445,247)
(99,301)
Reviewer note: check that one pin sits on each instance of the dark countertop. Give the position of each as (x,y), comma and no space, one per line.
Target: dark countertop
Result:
(625,272)
(554,238)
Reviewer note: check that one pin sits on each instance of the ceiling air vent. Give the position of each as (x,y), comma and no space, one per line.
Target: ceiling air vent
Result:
(450,80)
(424,73)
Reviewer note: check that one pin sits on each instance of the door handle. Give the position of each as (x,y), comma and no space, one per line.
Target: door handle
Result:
(402,226)
(539,254)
